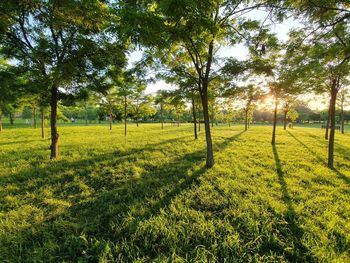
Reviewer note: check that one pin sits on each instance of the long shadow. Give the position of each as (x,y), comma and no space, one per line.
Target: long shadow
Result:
(300,253)
(337,172)
(20,142)
(118,203)
(61,164)
(343,150)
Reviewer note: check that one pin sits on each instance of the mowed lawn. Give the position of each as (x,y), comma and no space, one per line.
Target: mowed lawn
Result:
(149,198)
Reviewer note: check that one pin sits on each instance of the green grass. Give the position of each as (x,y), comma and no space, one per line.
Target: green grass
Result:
(148,198)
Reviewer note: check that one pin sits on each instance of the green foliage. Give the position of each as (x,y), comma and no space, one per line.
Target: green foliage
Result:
(150,199)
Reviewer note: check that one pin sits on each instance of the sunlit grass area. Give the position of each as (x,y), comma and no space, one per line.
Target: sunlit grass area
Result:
(148,197)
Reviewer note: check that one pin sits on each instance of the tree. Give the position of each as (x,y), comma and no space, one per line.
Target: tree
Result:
(109,99)
(181,73)
(141,104)
(292,115)
(177,104)
(58,42)
(194,27)
(249,94)
(323,47)
(8,84)
(323,65)
(161,100)
(289,103)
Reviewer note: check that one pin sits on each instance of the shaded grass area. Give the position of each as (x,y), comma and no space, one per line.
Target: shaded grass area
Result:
(148,198)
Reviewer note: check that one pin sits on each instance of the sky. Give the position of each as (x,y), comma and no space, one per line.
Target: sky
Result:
(240,52)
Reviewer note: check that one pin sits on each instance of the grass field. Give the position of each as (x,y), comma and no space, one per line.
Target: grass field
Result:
(149,198)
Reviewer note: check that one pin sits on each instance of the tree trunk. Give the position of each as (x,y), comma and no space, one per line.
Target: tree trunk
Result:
(54,133)
(11,118)
(210,154)
(285,120)
(110,118)
(42,124)
(86,116)
(161,116)
(137,123)
(199,121)
(332,126)
(328,120)
(34,113)
(342,116)
(194,119)
(246,120)
(273,141)
(124,115)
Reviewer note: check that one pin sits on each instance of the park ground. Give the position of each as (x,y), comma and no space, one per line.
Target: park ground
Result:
(149,198)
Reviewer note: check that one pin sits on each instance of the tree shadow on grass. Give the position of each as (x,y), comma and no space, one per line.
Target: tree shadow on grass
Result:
(300,253)
(105,204)
(20,142)
(336,171)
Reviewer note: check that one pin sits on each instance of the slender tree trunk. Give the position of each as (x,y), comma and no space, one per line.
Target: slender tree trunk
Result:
(86,116)
(342,116)
(194,119)
(124,115)
(328,120)
(210,154)
(11,118)
(54,133)
(332,126)
(273,141)
(34,113)
(161,116)
(199,121)
(246,120)
(42,124)
(110,118)
(285,120)
(137,123)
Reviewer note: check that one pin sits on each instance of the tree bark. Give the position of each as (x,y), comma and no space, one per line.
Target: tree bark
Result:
(124,115)
(273,141)
(34,113)
(210,154)
(42,124)
(332,125)
(54,133)
(194,119)
(285,120)
(246,120)
(328,120)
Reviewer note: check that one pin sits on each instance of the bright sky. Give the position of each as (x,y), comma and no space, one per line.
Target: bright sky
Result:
(240,52)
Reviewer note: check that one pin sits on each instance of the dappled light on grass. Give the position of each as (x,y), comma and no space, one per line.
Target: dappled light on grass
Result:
(150,197)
